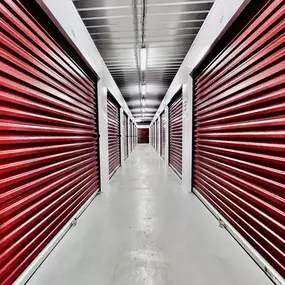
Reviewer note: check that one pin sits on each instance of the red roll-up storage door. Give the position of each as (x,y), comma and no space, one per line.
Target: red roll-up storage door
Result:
(48,138)
(131,136)
(134,135)
(126,147)
(157,136)
(153,135)
(175,132)
(239,164)
(162,133)
(143,135)
(114,140)
(150,135)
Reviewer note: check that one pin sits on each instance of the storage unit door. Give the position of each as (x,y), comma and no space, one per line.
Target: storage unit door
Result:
(175,133)
(133,129)
(239,164)
(162,134)
(143,135)
(151,134)
(135,137)
(157,136)
(125,135)
(48,138)
(134,133)
(114,140)
(131,135)
(152,137)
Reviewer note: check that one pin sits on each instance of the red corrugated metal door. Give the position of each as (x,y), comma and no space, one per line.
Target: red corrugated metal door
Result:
(152,135)
(240,130)
(48,138)
(157,136)
(153,138)
(175,132)
(143,135)
(126,147)
(114,138)
(134,135)
(131,136)
(162,133)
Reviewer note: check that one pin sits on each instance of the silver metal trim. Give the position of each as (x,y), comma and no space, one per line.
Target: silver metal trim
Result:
(261,262)
(175,171)
(114,171)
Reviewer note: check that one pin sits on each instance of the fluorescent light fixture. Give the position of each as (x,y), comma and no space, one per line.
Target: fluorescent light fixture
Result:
(143,110)
(143,59)
(143,89)
(143,102)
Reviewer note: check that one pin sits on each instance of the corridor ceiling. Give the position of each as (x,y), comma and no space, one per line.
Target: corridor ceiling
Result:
(119,28)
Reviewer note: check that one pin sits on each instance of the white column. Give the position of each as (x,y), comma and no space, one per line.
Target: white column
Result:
(166,135)
(103,131)
(122,136)
(187,93)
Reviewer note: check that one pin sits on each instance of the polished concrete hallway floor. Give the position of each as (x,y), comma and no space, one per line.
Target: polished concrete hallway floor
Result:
(146,230)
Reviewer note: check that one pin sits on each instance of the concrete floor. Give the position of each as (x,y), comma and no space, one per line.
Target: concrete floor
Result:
(145,230)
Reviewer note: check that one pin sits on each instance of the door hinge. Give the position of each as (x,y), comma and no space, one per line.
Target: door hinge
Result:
(222,224)
(73,223)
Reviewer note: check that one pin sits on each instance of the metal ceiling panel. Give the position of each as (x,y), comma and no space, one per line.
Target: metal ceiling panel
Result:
(170,28)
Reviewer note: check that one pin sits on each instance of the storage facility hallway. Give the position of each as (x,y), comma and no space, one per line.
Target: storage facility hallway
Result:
(142,142)
(146,230)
